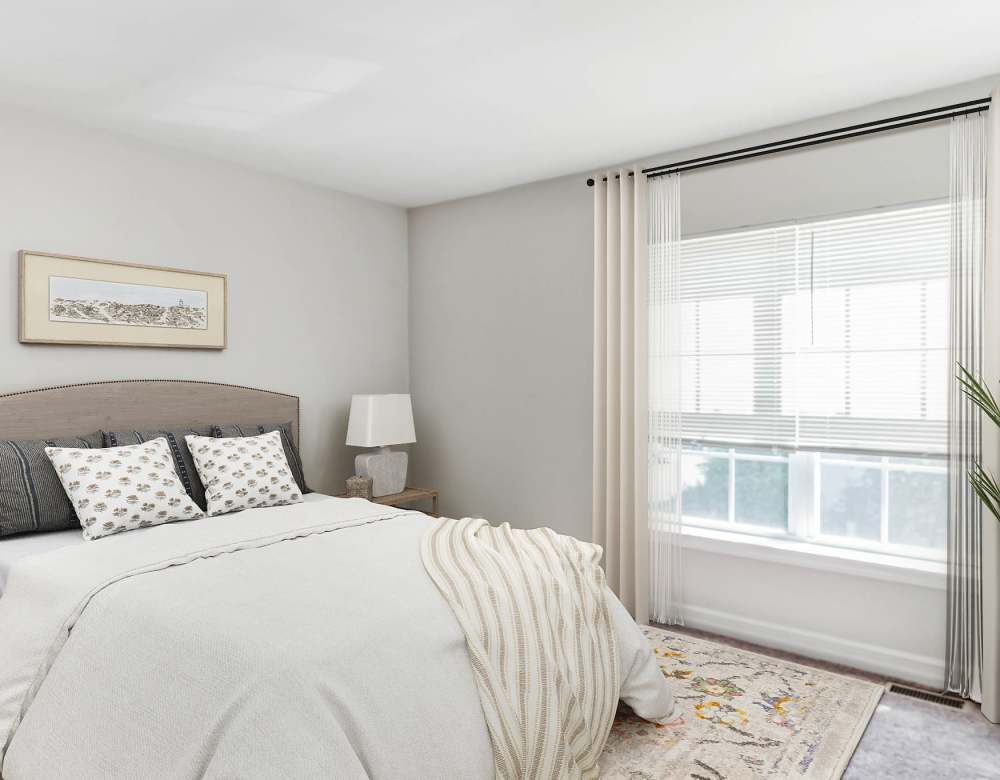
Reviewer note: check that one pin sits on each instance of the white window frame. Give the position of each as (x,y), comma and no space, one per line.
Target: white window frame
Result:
(804,493)
(804,501)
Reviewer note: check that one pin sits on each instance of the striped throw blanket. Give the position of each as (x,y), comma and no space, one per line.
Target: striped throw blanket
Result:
(543,648)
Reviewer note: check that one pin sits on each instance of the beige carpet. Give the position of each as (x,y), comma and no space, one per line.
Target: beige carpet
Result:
(741,715)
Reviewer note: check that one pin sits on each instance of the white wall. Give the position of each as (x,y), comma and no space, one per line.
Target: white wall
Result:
(317,279)
(500,343)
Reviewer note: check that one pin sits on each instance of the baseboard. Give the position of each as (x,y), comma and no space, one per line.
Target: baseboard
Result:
(898,664)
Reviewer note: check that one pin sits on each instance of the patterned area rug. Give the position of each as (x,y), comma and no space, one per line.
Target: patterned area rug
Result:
(741,715)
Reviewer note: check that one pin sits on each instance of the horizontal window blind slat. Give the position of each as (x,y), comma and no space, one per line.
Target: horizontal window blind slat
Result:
(826,334)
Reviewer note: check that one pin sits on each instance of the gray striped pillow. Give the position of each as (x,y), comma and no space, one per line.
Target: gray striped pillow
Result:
(183,463)
(256,429)
(31,496)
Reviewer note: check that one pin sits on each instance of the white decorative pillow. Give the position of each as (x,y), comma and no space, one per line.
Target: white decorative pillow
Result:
(122,488)
(243,472)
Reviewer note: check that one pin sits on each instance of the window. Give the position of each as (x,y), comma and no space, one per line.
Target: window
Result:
(812,367)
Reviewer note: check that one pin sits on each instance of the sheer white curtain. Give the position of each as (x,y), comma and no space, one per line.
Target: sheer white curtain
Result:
(620,403)
(965,427)
(991,438)
(973,637)
(664,456)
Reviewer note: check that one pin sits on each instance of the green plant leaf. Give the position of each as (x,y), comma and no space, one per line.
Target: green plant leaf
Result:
(979,394)
(981,481)
(986,488)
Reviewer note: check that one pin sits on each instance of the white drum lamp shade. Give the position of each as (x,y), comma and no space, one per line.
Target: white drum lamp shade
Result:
(378,421)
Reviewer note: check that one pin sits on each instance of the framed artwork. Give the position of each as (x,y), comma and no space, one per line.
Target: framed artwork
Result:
(79,300)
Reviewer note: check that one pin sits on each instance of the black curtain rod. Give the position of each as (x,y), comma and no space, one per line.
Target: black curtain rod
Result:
(814,139)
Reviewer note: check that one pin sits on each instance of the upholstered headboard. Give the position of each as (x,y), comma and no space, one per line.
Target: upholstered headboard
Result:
(141,403)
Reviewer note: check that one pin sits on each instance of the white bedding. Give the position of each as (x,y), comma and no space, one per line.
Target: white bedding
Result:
(15,548)
(296,641)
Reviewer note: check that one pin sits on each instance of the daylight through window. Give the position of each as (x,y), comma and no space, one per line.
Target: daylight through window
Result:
(812,366)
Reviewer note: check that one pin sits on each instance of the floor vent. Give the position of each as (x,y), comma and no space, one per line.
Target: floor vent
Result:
(935,698)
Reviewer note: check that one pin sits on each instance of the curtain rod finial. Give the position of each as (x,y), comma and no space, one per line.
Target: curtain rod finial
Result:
(590,182)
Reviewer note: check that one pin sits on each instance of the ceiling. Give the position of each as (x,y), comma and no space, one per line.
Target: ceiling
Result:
(413,102)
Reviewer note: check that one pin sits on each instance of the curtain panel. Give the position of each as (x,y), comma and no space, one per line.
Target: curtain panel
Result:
(965,426)
(620,518)
(665,396)
(991,437)
(972,664)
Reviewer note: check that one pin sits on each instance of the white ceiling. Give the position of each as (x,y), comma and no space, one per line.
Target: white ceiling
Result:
(417,101)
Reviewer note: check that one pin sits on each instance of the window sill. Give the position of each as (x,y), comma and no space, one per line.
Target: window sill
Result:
(818,557)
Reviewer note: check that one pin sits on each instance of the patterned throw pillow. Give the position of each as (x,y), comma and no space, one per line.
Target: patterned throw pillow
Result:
(243,472)
(122,488)
(287,442)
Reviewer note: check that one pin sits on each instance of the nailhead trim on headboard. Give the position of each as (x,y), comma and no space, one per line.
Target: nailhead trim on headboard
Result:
(165,381)
(135,381)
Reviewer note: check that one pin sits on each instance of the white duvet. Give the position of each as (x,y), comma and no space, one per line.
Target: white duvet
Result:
(301,641)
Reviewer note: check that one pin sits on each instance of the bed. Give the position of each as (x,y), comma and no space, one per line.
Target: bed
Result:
(293,641)
(16,548)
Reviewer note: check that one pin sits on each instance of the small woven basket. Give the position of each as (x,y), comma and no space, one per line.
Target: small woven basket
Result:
(359,487)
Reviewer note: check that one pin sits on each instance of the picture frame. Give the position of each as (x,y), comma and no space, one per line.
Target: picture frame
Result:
(66,299)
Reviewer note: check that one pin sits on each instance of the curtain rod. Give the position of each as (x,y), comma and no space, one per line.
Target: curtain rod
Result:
(814,139)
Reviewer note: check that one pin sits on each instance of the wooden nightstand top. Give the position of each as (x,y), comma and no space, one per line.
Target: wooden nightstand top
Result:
(407,496)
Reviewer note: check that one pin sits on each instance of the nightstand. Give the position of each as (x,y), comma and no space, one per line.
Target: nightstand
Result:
(408,496)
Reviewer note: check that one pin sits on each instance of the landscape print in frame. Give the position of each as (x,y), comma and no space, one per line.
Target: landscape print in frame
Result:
(78,300)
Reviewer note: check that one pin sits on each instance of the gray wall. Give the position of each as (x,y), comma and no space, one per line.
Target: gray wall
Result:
(317,279)
(500,328)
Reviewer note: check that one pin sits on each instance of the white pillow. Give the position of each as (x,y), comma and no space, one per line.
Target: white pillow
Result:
(122,488)
(243,472)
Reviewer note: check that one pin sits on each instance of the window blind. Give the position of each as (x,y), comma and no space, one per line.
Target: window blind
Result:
(829,334)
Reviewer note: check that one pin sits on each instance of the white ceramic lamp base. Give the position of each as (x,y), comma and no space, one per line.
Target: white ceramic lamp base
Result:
(386,468)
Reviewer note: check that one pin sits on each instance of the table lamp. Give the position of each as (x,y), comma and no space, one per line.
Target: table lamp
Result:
(379,421)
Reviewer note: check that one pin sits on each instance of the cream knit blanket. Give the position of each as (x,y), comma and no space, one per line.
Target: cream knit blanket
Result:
(541,641)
